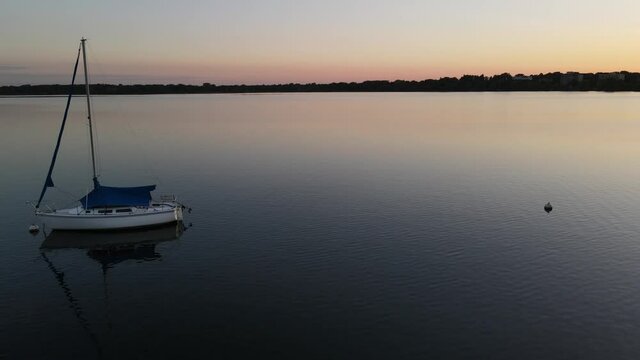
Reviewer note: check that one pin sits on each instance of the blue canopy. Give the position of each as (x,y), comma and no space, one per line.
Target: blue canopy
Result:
(107,196)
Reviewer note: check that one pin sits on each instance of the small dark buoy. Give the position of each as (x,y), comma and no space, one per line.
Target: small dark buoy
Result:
(548,207)
(34,229)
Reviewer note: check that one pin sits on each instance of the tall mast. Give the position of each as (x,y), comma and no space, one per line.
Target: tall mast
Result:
(86,85)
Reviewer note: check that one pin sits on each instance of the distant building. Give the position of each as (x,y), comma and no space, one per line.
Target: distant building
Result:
(571,77)
(611,76)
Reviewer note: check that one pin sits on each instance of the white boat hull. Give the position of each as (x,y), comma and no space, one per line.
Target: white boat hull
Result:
(67,220)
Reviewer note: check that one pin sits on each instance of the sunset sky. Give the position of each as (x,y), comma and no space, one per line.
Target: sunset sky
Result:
(232,42)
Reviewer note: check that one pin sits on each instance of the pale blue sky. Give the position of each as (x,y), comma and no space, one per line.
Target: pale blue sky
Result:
(313,41)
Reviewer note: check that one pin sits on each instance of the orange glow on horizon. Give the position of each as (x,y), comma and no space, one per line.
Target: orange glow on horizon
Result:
(302,42)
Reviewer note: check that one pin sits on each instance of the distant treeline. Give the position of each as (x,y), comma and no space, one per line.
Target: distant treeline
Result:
(616,81)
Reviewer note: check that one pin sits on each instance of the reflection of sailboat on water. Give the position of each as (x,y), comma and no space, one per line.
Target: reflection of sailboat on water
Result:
(115,247)
(109,249)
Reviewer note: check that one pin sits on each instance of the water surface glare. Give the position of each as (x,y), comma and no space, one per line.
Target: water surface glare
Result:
(341,226)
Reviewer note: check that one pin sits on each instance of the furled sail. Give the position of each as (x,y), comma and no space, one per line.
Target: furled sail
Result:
(49,181)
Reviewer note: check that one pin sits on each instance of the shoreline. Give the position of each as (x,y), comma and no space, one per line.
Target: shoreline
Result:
(19,95)
(564,82)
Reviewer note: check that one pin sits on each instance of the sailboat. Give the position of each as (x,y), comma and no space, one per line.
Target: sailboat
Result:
(104,207)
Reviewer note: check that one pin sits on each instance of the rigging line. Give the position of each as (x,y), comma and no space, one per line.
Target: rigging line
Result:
(87,158)
(65,192)
(88,96)
(88,168)
(87,171)
(96,144)
(72,196)
(96,134)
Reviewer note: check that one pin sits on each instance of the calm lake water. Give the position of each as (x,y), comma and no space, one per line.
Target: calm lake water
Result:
(332,226)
